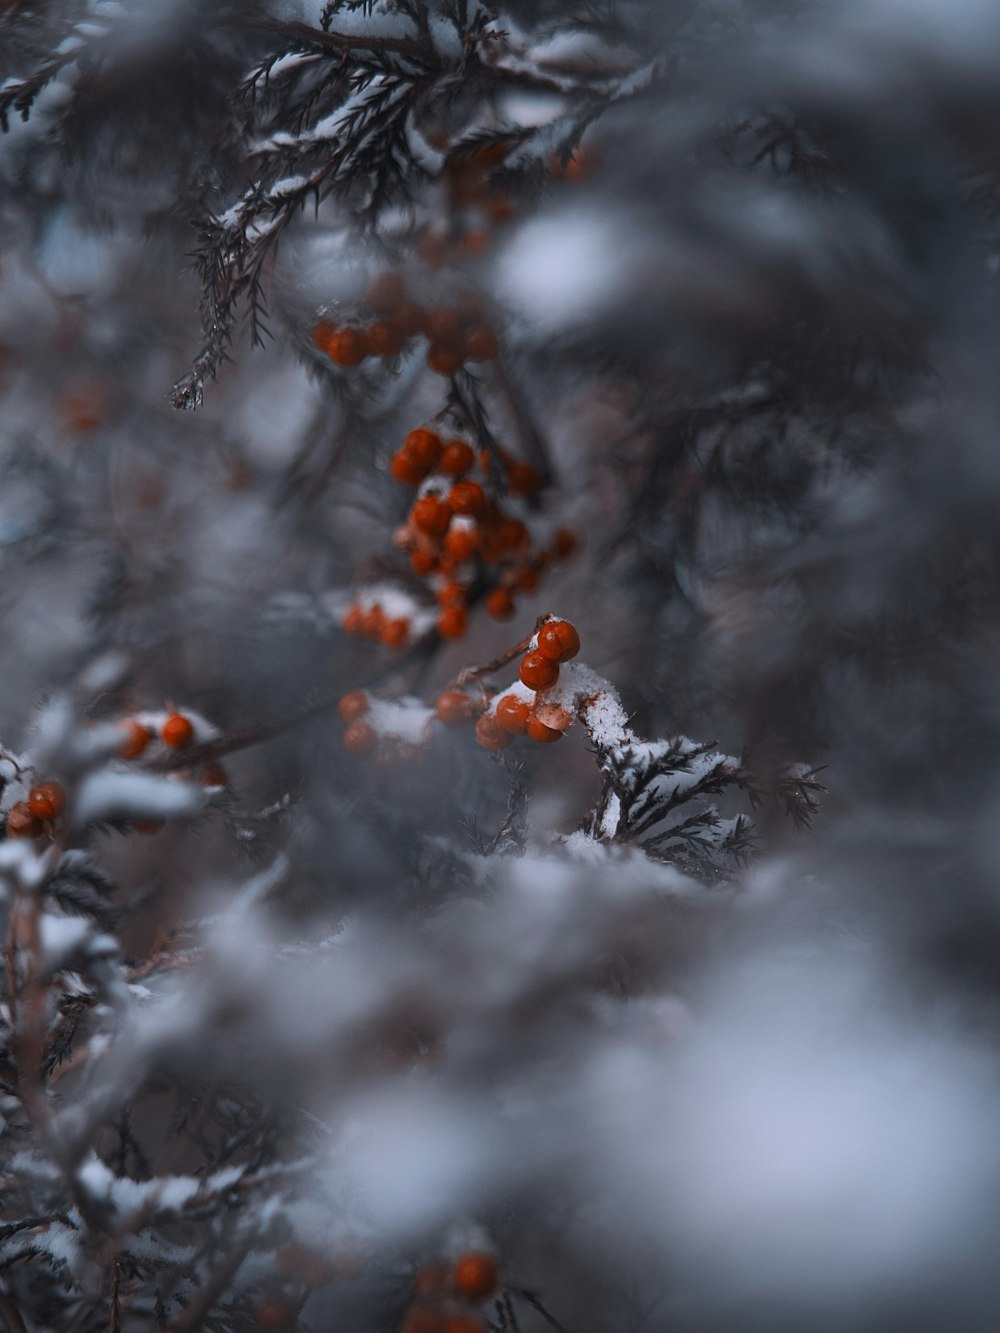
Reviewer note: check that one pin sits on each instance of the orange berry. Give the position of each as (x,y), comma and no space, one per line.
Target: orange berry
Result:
(348,348)
(523,478)
(406,469)
(564,543)
(47,800)
(423,1319)
(513,714)
(322,333)
(526,581)
(444,360)
(538,731)
(372,621)
(424,446)
(21,823)
(467,498)
(275,1312)
(480,343)
(476,1274)
(457,458)
(558,641)
(423,562)
(500,604)
(137,737)
(359,738)
(354,619)
(177,731)
(512,534)
(452,708)
(409,319)
(490,734)
(537,672)
(443,326)
(383,339)
(431,514)
(461,543)
(394,633)
(386,293)
(214,775)
(452,594)
(353,705)
(451,622)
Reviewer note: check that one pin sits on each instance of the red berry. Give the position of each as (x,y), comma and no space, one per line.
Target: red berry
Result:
(394,633)
(431,514)
(353,622)
(480,343)
(452,594)
(454,707)
(372,621)
(409,319)
(451,622)
(359,738)
(512,534)
(461,543)
(47,800)
(384,339)
(424,446)
(353,705)
(538,731)
(348,348)
(137,737)
(558,641)
(526,581)
(423,562)
(564,543)
(322,335)
(490,735)
(457,458)
(513,714)
(523,478)
(386,293)
(476,1274)
(406,469)
(214,775)
(537,672)
(21,823)
(500,604)
(444,360)
(443,326)
(177,731)
(467,498)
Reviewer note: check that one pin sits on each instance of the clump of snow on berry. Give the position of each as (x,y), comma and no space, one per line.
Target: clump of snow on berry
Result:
(406,719)
(581,690)
(518,690)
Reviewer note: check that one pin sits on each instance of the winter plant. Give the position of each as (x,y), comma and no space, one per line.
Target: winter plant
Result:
(474,476)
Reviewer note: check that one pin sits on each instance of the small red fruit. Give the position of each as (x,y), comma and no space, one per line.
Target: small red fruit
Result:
(384,339)
(386,293)
(359,738)
(47,800)
(443,326)
(454,707)
(461,543)
(431,514)
(423,562)
(558,641)
(372,621)
(537,672)
(451,594)
(348,348)
(476,1274)
(467,498)
(424,446)
(21,823)
(394,633)
(432,1280)
(564,543)
(444,360)
(490,735)
(177,731)
(480,343)
(406,469)
(523,478)
(538,731)
(353,705)
(322,334)
(353,622)
(451,622)
(526,581)
(409,319)
(513,714)
(457,458)
(137,737)
(500,604)
(512,534)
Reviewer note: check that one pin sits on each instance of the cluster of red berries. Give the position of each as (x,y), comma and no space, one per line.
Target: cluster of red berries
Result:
(360,738)
(176,731)
(455,334)
(557,641)
(29,819)
(442,1290)
(453,523)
